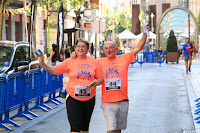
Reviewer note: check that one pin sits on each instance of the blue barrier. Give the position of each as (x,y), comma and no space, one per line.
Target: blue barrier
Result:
(197,111)
(19,89)
(45,89)
(148,57)
(14,97)
(2,102)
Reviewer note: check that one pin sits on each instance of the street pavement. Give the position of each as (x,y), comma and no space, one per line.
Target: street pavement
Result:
(161,101)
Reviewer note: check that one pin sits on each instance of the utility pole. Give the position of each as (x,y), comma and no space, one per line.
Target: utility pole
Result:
(25,22)
(188,19)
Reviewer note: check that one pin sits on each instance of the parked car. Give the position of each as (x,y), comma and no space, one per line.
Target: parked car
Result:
(14,57)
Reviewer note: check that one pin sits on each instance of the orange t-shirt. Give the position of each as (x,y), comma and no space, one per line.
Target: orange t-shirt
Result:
(115,75)
(81,73)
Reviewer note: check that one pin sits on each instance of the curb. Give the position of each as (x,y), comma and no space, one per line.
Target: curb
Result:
(38,119)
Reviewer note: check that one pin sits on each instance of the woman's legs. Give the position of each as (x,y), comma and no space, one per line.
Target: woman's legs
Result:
(79,114)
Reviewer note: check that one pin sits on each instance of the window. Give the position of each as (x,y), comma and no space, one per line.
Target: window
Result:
(21,53)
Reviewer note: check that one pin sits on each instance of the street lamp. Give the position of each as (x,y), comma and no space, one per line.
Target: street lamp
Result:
(152,16)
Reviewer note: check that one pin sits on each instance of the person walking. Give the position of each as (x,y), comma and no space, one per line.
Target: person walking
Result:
(82,71)
(115,102)
(194,50)
(53,55)
(187,53)
(67,51)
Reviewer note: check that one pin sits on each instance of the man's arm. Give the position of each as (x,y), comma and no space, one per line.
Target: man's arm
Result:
(182,53)
(141,44)
(46,67)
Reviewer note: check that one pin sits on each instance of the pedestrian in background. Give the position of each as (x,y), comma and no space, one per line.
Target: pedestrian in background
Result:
(187,53)
(92,49)
(53,55)
(82,71)
(67,51)
(194,50)
(179,49)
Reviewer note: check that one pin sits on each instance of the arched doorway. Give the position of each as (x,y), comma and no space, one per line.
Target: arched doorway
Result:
(176,18)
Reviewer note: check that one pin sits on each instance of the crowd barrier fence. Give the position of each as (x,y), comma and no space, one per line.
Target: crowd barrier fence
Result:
(18,90)
(148,57)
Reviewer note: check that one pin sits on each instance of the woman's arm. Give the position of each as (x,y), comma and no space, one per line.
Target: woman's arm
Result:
(99,81)
(51,55)
(46,67)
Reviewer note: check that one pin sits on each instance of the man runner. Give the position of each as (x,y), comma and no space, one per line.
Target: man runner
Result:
(115,101)
(187,53)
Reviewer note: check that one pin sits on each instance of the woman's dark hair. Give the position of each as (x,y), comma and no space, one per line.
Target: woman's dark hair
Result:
(54,47)
(82,40)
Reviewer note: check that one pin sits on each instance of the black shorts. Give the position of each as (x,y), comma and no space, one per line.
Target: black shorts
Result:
(79,113)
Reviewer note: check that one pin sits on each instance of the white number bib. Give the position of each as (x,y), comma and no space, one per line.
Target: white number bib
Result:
(113,84)
(81,91)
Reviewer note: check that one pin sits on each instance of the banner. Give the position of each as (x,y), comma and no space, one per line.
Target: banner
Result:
(60,29)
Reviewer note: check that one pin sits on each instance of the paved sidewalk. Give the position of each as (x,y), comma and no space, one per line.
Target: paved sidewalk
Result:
(160,102)
(192,81)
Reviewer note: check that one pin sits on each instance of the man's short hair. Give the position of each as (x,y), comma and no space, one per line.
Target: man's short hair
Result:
(112,43)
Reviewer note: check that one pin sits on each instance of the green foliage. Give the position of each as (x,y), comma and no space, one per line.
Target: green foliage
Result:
(125,19)
(118,42)
(171,43)
(77,4)
(198,20)
(55,4)
(8,2)
(141,19)
(118,22)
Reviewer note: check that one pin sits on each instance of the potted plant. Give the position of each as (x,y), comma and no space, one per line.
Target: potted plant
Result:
(171,48)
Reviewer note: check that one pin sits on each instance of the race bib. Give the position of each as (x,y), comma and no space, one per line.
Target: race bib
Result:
(81,91)
(113,84)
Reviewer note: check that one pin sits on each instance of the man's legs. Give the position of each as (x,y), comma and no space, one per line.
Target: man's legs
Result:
(116,116)
(186,63)
(190,63)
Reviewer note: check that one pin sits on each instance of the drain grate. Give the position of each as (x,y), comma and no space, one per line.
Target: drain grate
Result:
(188,131)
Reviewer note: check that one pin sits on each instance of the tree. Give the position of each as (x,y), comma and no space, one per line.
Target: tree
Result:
(118,42)
(171,43)
(52,6)
(111,20)
(141,19)
(125,19)
(3,3)
(121,21)
(78,5)
(198,20)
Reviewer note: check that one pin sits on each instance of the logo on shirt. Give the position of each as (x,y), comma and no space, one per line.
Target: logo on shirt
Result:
(83,75)
(112,73)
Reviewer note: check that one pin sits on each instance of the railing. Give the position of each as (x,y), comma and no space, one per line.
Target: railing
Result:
(197,111)
(18,90)
(148,57)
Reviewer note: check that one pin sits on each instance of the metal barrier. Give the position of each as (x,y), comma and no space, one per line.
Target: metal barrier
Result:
(148,57)
(17,90)
(14,97)
(2,102)
(197,111)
